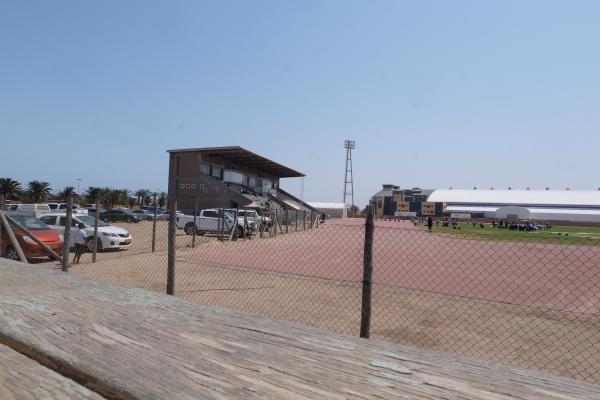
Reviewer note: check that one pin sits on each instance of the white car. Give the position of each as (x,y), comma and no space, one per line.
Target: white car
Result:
(208,221)
(109,237)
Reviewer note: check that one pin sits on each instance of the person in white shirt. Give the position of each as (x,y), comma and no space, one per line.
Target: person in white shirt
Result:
(79,239)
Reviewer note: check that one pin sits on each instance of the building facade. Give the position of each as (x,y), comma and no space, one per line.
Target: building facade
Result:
(392,201)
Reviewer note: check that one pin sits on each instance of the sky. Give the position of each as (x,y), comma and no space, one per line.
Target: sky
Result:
(436,94)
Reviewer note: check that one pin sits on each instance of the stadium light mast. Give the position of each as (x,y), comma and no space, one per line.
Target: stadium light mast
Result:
(349,145)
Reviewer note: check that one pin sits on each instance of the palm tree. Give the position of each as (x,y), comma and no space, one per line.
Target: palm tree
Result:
(123,196)
(38,191)
(93,194)
(66,192)
(113,197)
(141,195)
(162,199)
(9,189)
(132,202)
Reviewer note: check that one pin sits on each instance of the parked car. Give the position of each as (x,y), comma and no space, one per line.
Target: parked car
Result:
(92,211)
(207,221)
(30,248)
(109,237)
(62,207)
(119,214)
(143,214)
(163,215)
(260,221)
(31,210)
(151,209)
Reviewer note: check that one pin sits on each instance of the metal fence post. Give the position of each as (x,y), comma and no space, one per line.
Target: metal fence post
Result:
(95,244)
(223,225)
(287,220)
(296,215)
(171,250)
(67,235)
(154,225)
(303,220)
(195,223)
(365,314)
(234,231)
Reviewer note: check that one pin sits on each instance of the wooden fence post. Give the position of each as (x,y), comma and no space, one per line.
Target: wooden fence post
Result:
(95,244)
(171,250)
(154,225)
(67,234)
(195,223)
(13,239)
(365,315)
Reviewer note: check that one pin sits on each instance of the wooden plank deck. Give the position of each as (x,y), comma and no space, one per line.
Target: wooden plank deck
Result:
(25,379)
(128,343)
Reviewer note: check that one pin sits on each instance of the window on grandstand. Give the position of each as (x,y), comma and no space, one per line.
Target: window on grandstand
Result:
(205,169)
(217,172)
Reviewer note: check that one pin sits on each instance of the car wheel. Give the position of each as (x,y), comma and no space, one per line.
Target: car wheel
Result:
(189,228)
(11,253)
(90,245)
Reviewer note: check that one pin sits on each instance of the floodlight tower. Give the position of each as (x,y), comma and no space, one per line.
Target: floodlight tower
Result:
(349,145)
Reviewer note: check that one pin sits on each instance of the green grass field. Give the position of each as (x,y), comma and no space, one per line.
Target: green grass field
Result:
(575,235)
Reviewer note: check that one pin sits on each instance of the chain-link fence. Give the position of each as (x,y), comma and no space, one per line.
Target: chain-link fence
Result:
(520,294)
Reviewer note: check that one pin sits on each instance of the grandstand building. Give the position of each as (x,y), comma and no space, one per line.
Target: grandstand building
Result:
(230,177)
(576,206)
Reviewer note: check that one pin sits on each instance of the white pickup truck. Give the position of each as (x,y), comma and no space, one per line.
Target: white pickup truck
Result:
(208,221)
(254,217)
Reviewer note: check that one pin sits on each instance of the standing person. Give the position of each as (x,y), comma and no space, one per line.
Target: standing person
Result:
(79,242)
(429,223)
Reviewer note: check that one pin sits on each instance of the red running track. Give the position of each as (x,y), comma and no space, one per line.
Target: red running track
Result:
(563,277)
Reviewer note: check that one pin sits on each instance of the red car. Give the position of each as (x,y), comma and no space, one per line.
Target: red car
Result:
(31,249)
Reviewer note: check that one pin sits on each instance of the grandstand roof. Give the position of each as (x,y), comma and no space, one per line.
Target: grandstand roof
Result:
(245,158)
(518,197)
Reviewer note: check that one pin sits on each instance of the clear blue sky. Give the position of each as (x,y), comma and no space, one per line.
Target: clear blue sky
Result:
(435,93)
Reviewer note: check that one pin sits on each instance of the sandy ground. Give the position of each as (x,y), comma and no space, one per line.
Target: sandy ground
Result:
(551,340)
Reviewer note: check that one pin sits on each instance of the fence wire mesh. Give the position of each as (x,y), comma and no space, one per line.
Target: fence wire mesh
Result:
(526,299)
(312,277)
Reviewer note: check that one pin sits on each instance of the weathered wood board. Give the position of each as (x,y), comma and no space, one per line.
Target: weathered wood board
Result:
(25,379)
(132,344)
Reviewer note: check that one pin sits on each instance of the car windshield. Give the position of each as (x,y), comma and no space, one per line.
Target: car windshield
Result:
(30,223)
(89,221)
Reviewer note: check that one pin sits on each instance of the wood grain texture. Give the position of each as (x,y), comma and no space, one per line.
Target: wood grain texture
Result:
(25,379)
(132,344)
